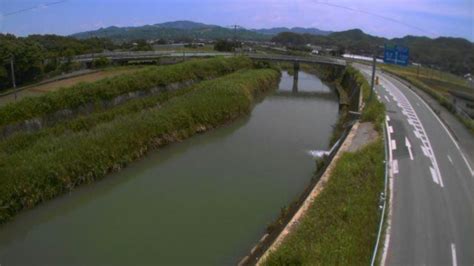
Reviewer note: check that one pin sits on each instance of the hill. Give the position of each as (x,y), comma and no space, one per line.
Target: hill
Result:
(275,31)
(176,30)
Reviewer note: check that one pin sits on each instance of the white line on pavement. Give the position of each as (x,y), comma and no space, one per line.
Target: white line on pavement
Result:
(434,175)
(388,100)
(394,144)
(450,160)
(408,144)
(447,131)
(412,117)
(395,166)
(453,253)
(390,129)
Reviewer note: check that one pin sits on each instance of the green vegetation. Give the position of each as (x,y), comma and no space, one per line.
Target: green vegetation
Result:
(225,46)
(340,226)
(344,217)
(107,89)
(100,62)
(22,140)
(57,163)
(30,54)
(436,84)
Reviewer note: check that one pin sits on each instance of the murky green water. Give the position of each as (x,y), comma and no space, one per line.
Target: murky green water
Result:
(205,201)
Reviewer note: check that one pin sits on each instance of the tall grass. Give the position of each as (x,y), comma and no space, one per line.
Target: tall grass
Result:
(109,88)
(56,164)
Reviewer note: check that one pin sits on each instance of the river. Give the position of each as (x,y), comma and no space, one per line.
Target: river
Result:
(204,201)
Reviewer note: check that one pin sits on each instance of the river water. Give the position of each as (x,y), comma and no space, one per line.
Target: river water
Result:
(204,201)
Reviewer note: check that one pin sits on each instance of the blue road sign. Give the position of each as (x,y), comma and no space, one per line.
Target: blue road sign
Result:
(395,54)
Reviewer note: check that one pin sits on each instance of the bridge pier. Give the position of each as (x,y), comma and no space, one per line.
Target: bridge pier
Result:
(296,68)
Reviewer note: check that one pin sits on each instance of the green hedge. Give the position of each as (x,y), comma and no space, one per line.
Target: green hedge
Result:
(56,164)
(109,88)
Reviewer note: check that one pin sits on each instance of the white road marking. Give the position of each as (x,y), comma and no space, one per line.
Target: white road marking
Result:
(388,100)
(394,144)
(450,160)
(447,131)
(390,129)
(413,119)
(408,144)
(395,166)
(453,253)
(390,200)
(434,176)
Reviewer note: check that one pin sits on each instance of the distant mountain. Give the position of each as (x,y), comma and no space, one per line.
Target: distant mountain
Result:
(188,29)
(176,30)
(184,25)
(275,31)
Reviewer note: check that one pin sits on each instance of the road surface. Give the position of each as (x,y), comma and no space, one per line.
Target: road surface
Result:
(432,208)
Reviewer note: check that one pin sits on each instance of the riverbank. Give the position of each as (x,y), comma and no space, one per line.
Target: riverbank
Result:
(337,224)
(57,163)
(209,196)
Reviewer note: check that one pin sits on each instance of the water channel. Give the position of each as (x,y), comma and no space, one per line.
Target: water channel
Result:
(204,201)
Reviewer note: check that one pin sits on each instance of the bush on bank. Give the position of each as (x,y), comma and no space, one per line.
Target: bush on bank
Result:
(56,164)
(109,88)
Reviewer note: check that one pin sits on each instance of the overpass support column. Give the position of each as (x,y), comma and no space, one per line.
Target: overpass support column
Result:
(296,69)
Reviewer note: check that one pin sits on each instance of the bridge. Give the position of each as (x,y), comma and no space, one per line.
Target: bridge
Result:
(154,55)
(151,56)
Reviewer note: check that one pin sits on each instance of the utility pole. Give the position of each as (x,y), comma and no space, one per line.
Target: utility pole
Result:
(373,77)
(235,38)
(13,75)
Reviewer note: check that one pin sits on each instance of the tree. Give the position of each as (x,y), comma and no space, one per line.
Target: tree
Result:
(224,46)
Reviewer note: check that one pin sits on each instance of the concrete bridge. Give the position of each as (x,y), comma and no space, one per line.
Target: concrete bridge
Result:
(151,56)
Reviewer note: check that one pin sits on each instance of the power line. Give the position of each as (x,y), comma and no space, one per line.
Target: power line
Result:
(31,8)
(376,15)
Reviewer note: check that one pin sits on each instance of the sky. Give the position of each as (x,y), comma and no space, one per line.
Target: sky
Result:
(387,18)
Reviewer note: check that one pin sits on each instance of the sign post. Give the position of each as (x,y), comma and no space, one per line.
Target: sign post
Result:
(396,54)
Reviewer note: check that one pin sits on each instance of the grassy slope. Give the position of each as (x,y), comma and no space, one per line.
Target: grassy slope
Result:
(56,164)
(341,225)
(109,88)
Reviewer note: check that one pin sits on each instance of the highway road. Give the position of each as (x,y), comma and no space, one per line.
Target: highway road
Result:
(431,216)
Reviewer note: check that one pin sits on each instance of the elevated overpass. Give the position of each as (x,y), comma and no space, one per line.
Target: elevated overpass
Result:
(155,55)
